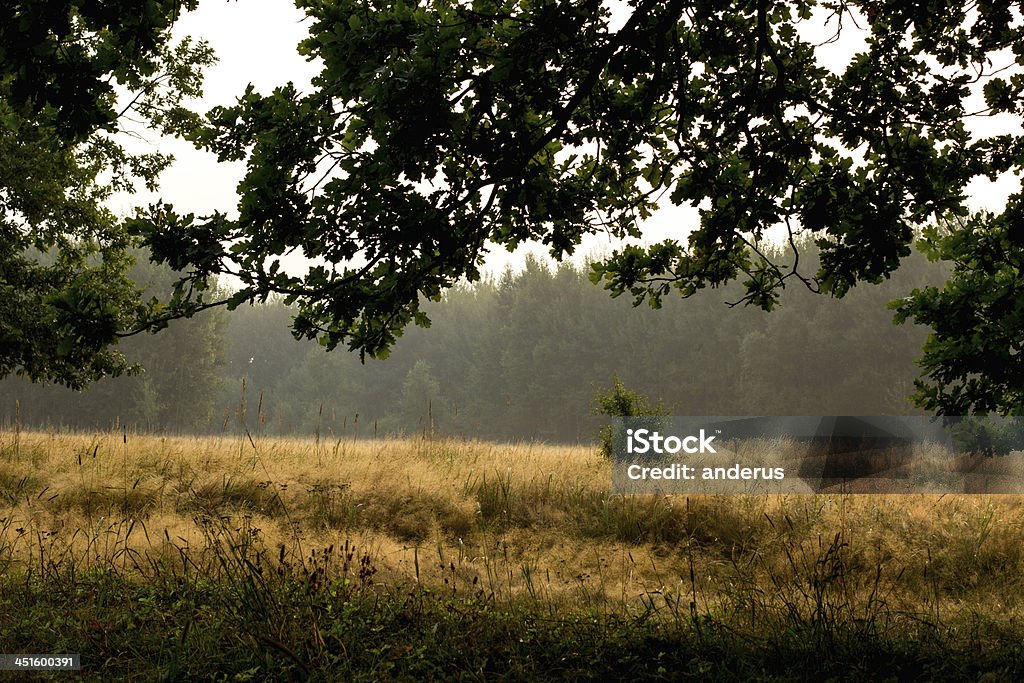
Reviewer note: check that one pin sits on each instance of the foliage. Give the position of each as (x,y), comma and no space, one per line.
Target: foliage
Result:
(986,435)
(975,353)
(64,291)
(434,128)
(622,402)
(177,388)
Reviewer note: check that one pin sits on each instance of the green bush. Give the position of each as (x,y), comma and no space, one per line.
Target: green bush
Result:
(622,402)
(987,435)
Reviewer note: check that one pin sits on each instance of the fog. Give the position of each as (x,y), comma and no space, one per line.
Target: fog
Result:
(520,356)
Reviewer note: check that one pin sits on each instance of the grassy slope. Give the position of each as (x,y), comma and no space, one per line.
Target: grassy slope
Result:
(161,558)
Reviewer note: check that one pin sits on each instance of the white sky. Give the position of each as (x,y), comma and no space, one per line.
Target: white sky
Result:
(255,43)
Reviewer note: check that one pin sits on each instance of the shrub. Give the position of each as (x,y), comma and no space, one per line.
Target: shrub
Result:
(622,402)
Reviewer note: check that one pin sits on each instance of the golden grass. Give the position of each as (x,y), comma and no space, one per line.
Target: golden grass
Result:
(520,521)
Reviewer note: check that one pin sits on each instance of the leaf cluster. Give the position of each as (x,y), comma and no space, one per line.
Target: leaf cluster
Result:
(64,292)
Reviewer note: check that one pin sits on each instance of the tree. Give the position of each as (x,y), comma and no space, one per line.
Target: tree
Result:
(975,353)
(622,402)
(178,389)
(65,296)
(181,382)
(434,127)
(421,398)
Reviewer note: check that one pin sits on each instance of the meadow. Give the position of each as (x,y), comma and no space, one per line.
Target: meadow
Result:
(255,558)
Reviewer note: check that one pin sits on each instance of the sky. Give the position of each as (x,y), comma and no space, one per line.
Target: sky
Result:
(255,42)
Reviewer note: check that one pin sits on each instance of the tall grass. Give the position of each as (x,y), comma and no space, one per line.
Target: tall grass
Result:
(175,557)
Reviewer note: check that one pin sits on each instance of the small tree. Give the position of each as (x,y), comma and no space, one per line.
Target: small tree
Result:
(421,397)
(622,402)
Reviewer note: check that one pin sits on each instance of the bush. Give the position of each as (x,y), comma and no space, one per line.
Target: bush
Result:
(622,402)
(987,435)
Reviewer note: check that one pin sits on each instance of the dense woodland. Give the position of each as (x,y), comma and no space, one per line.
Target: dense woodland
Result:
(519,357)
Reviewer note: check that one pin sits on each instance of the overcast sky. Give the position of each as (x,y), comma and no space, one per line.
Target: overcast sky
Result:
(255,42)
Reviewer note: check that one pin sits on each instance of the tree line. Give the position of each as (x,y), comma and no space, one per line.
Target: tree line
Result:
(520,356)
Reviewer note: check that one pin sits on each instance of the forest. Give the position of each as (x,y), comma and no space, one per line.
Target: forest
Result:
(517,357)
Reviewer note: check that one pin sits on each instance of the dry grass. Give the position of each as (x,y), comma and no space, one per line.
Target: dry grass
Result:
(176,558)
(522,521)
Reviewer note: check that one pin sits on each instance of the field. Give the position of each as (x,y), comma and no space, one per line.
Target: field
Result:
(176,558)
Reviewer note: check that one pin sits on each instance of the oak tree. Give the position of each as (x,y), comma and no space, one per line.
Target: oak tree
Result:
(72,76)
(436,128)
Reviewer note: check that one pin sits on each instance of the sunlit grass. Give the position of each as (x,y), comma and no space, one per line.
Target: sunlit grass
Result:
(499,512)
(527,526)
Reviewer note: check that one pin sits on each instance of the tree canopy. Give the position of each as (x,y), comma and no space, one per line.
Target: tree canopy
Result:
(64,256)
(436,127)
